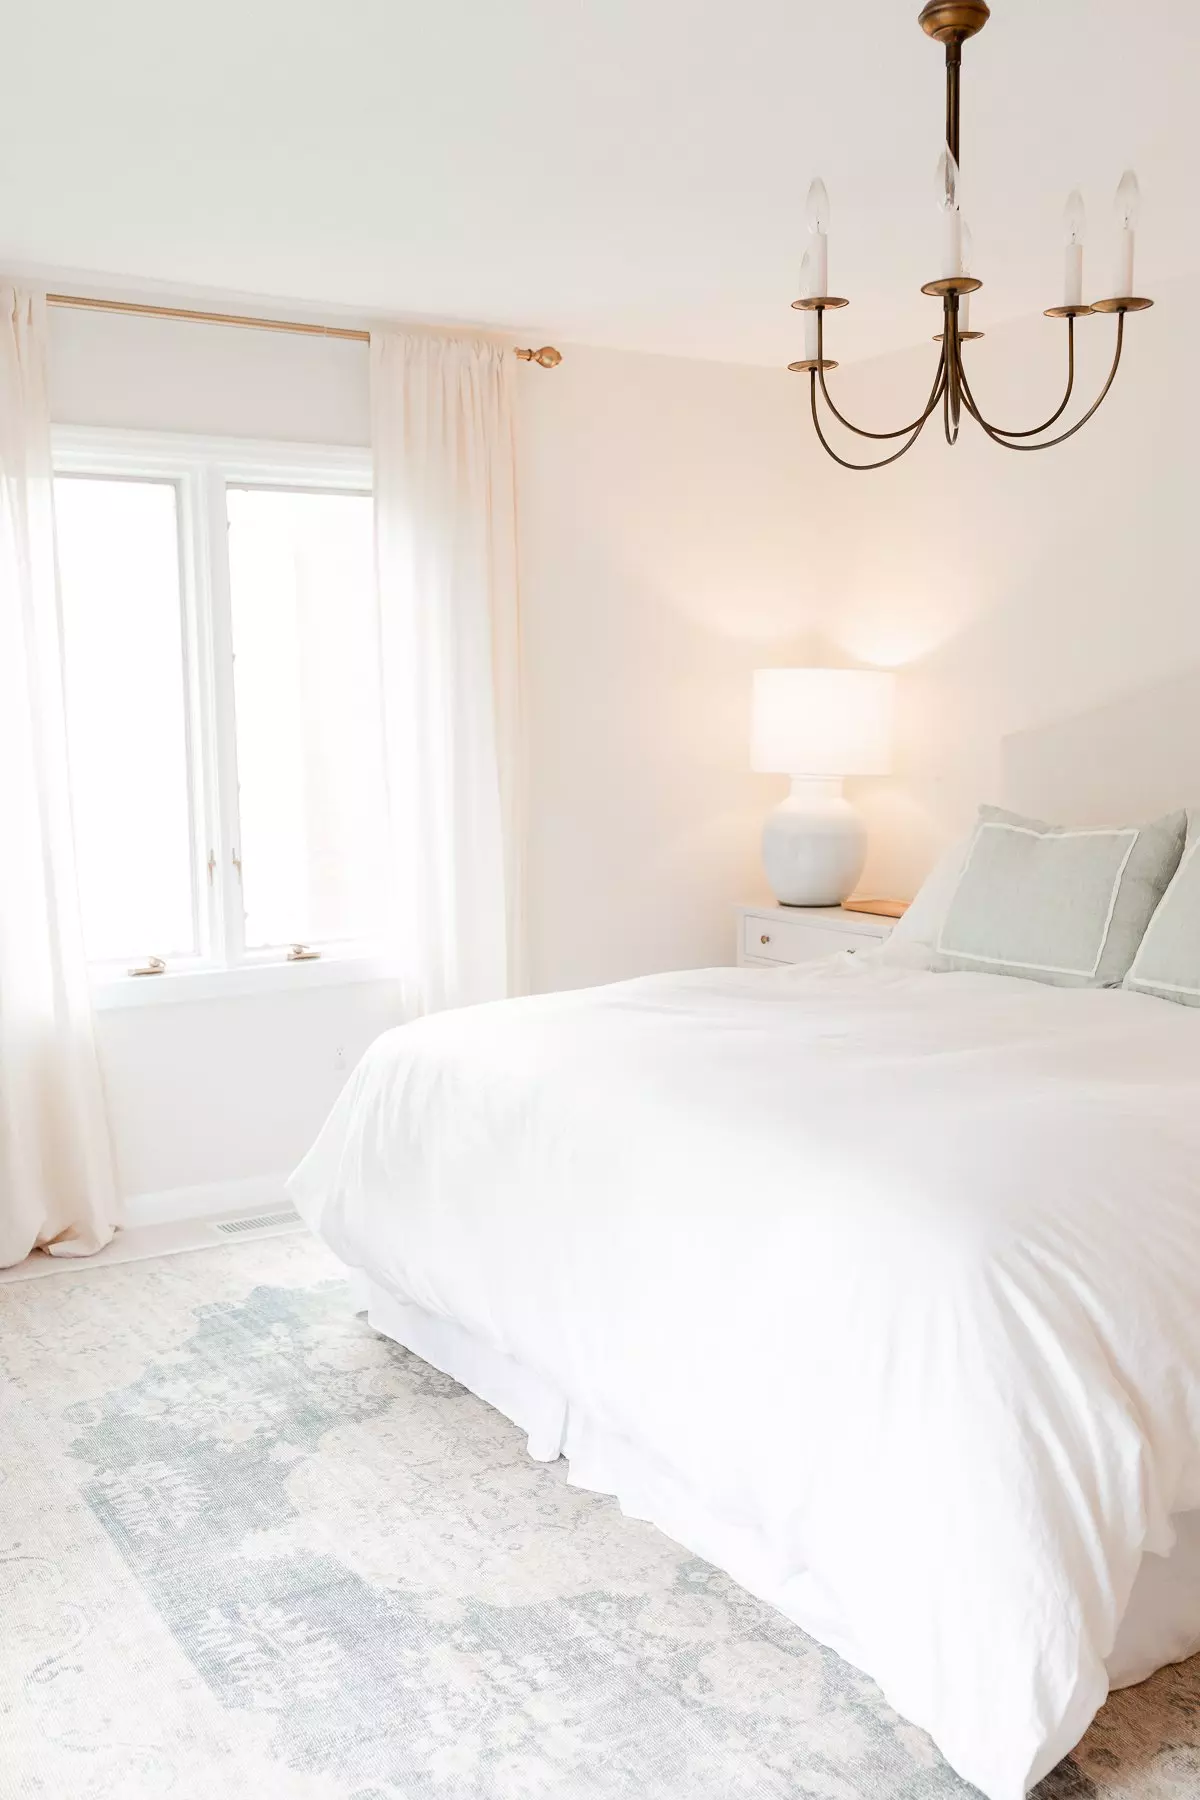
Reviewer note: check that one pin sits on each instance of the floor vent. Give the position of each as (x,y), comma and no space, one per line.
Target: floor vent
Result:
(258,1222)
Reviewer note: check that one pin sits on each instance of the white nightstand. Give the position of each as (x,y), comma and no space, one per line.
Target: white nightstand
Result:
(770,934)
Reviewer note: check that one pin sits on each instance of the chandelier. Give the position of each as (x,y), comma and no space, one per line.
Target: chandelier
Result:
(951,22)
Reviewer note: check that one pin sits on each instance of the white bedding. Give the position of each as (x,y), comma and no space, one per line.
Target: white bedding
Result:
(899,1273)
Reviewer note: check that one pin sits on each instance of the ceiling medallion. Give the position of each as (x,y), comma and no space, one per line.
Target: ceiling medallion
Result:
(951,22)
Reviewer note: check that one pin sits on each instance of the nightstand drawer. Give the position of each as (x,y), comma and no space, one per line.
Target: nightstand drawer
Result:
(768,937)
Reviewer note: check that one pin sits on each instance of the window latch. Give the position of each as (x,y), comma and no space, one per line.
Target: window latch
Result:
(212,867)
(303,953)
(153,965)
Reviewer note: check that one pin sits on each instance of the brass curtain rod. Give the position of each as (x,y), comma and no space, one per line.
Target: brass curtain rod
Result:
(547,357)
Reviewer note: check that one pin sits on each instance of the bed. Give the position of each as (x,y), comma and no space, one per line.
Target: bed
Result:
(878,1288)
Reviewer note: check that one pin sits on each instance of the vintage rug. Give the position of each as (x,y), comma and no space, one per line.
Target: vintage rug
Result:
(249,1549)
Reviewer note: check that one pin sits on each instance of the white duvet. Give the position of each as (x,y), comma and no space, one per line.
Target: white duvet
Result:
(900,1271)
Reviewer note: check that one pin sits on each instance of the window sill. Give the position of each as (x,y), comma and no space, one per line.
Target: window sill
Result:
(113,992)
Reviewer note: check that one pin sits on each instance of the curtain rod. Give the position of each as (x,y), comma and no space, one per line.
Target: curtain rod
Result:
(547,357)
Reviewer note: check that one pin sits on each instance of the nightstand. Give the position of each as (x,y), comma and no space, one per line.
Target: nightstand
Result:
(769,934)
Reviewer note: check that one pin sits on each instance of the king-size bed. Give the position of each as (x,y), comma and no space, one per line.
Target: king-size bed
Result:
(878,1287)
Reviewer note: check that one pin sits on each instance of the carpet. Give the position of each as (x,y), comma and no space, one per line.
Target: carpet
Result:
(249,1548)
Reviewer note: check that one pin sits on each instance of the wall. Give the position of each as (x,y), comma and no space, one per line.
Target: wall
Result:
(664,554)
(1015,591)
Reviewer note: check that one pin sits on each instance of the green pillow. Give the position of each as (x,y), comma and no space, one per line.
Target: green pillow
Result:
(1050,903)
(1168,958)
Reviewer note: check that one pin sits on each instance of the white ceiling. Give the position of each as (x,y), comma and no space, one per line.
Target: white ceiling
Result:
(625,172)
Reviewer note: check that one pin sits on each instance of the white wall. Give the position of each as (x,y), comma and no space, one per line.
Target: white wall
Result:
(1012,590)
(665,553)
(169,375)
(208,1092)
(663,558)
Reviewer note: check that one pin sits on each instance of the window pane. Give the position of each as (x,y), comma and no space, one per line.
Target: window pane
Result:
(118,547)
(309,734)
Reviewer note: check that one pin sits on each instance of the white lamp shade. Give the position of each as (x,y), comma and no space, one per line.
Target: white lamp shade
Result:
(822,721)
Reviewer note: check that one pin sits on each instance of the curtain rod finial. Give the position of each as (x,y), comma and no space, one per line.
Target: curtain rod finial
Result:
(547,357)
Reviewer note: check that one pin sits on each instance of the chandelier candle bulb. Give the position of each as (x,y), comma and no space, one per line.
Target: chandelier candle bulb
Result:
(816,209)
(1073,219)
(952,242)
(947,177)
(809,292)
(967,251)
(1128,204)
(1124,280)
(1073,276)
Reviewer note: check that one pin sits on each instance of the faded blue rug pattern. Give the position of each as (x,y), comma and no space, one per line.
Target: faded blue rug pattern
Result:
(247,1547)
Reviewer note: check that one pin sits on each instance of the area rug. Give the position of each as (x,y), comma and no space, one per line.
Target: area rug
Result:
(250,1549)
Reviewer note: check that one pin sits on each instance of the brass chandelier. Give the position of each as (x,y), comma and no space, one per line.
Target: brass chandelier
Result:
(951,22)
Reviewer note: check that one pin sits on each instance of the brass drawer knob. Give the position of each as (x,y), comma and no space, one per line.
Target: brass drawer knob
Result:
(765,938)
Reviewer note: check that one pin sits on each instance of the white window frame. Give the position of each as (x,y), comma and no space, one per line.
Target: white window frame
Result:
(201,469)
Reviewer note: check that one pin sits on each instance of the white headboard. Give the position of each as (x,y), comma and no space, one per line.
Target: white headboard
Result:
(1130,759)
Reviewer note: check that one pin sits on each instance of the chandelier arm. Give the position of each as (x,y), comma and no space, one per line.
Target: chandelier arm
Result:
(952,403)
(1036,430)
(884,460)
(901,431)
(998,437)
(950,431)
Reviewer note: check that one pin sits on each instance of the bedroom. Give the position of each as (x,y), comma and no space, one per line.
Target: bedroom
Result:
(248,1541)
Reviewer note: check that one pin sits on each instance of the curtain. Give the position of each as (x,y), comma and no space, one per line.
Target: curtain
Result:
(446,561)
(57,1187)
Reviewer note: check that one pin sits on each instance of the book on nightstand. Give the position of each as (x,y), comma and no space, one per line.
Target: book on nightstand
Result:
(881,909)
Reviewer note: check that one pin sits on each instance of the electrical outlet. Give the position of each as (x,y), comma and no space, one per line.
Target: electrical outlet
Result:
(339,1056)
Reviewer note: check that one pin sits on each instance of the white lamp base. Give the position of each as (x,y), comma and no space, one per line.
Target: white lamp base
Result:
(814,844)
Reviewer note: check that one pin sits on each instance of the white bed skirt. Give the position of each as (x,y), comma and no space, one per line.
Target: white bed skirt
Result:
(1161,1624)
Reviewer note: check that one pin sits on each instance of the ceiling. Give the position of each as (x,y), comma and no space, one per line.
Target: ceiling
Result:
(623,172)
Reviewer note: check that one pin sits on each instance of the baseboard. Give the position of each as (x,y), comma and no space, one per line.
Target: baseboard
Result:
(254,1193)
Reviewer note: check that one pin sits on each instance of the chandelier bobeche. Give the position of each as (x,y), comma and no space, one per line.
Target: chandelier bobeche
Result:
(951,22)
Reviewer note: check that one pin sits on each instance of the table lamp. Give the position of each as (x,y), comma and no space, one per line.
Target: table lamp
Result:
(818,725)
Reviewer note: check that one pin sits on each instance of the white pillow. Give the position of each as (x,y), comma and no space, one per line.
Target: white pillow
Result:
(913,937)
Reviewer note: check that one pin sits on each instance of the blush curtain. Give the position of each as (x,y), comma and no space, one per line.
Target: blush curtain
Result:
(446,560)
(57,1186)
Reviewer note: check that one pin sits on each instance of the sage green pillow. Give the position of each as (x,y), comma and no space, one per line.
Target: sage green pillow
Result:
(1050,903)
(1168,958)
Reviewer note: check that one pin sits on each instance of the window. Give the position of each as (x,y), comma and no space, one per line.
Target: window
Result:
(224,724)
(118,546)
(309,746)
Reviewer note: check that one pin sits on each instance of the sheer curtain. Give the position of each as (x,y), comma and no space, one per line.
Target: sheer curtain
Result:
(57,1187)
(446,557)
